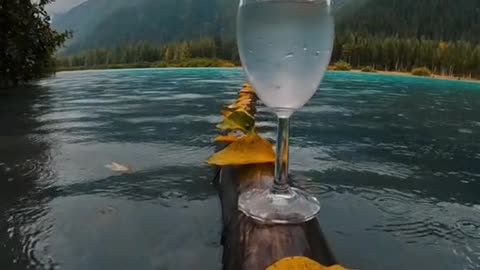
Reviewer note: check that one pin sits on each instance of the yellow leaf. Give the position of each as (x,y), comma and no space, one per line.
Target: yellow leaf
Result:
(244,99)
(250,149)
(247,91)
(243,103)
(301,263)
(226,139)
(247,88)
(238,120)
(226,113)
(336,267)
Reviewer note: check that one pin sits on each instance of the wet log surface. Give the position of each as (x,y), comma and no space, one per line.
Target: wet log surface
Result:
(252,246)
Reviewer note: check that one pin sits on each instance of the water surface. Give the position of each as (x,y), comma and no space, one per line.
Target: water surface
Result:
(395,162)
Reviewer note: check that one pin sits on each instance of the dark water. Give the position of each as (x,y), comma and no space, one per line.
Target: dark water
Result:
(395,162)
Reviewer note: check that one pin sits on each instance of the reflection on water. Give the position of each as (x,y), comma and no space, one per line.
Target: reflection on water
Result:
(394,161)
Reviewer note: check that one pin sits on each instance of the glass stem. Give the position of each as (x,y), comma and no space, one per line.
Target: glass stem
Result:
(280,184)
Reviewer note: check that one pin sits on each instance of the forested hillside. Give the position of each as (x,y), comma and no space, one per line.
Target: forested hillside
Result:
(398,35)
(448,20)
(84,19)
(103,23)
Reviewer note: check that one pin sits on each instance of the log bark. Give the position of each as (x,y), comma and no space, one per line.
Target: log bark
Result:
(252,246)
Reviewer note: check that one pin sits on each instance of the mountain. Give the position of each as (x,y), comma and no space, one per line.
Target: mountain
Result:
(84,18)
(159,21)
(447,20)
(107,23)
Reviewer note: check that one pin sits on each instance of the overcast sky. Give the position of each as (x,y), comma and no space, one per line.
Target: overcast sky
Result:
(63,5)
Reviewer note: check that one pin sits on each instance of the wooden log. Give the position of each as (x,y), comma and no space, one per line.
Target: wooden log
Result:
(252,246)
(249,245)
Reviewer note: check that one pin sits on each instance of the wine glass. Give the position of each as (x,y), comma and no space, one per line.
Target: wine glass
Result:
(285,47)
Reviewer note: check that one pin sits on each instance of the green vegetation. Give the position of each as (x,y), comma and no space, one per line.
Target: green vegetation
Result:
(199,62)
(27,42)
(106,23)
(199,53)
(422,71)
(390,35)
(412,19)
(457,58)
(189,63)
(342,66)
(368,69)
(460,58)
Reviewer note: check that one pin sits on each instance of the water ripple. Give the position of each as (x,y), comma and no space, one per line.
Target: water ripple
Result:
(394,161)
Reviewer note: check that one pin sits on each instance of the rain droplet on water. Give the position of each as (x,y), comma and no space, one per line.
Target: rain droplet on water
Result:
(250,50)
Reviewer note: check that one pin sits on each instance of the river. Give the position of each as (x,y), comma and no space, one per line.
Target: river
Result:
(395,162)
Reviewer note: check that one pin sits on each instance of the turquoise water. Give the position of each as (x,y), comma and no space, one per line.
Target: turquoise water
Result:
(395,162)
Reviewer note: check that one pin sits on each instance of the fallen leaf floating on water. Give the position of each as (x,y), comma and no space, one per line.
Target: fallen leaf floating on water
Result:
(116,167)
(238,120)
(301,263)
(250,149)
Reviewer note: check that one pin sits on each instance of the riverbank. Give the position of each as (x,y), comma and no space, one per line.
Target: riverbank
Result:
(226,64)
(190,63)
(409,74)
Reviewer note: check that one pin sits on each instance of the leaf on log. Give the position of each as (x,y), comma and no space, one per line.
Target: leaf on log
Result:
(247,88)
(250,149)
(301,263)
(226,113)
(227,139)
(238,120)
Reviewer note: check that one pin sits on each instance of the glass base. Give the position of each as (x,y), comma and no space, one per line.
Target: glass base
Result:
(297,206)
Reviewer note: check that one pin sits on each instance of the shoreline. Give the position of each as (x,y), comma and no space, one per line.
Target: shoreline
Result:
(379,72)
(408,74)
(146,68)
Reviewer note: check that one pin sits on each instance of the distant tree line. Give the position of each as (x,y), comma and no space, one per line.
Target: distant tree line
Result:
(149,53)
(458,58)
(447,20)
